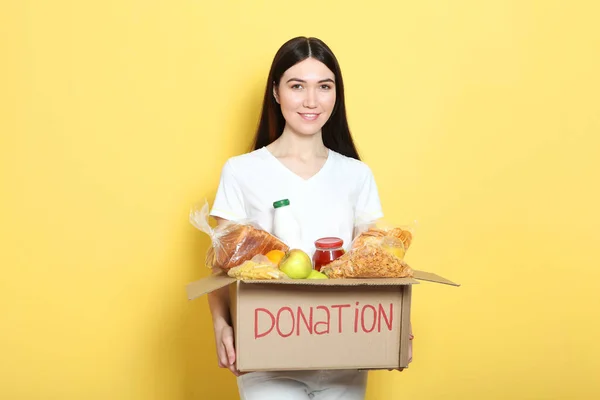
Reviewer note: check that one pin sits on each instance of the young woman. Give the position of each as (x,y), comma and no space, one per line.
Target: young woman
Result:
(304,152)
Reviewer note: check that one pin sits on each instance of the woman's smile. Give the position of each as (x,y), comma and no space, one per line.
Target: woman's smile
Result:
(309,116)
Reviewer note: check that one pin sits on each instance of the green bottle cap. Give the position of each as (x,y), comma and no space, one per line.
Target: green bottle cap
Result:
(281,203)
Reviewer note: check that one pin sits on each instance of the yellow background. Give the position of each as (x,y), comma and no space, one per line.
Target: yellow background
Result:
(480,120)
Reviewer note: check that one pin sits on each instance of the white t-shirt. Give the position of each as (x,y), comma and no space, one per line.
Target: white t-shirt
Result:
(330,203)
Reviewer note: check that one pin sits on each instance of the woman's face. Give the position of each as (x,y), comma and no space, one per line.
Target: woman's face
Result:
(306,94)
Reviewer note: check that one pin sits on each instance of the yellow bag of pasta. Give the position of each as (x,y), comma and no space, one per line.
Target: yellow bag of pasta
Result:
(258,267)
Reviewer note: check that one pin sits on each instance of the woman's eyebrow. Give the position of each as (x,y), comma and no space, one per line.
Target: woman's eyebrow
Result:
(303,81)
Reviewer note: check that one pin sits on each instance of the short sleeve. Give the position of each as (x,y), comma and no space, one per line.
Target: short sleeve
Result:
(368,205)
(229,201)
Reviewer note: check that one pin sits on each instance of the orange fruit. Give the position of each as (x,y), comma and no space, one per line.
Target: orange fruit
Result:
(275,256)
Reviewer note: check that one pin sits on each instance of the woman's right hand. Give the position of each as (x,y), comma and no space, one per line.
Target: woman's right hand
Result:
(225,348)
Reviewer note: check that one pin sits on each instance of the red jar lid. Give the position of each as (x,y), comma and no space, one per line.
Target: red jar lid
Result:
(329,243)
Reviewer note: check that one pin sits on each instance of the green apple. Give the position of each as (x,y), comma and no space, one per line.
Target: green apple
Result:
(317,275)
(296,264)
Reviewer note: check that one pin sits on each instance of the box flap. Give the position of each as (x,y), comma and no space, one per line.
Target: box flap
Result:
(217,281)
(207,285)
(430,277)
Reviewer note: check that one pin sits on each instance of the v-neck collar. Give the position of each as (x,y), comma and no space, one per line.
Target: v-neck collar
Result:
(292,173)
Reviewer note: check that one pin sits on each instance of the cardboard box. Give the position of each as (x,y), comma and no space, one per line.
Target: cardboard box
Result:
(319,324)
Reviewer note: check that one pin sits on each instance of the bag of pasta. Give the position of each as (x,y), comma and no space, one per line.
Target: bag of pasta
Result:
(233,243)
(259,267)
(375,253)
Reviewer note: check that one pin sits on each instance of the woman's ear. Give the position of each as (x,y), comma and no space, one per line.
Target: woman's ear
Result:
(275,93)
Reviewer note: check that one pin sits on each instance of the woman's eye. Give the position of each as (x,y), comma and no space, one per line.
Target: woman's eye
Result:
(325,87)
(297,86)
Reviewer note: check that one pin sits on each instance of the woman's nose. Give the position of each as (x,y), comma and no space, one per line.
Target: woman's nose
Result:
(310,101)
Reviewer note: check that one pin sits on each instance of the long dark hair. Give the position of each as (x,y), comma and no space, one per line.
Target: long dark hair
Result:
(335,132)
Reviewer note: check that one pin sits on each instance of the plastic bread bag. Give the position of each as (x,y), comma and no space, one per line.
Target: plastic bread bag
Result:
(370,260)
(395,236)
(377,252)
(233,243)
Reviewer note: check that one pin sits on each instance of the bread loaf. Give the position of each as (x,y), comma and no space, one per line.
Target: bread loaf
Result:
(234,244)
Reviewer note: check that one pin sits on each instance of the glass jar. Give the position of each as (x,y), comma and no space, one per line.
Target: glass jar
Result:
(327,250)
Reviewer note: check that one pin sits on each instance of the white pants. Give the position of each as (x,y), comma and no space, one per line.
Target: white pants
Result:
(303,385)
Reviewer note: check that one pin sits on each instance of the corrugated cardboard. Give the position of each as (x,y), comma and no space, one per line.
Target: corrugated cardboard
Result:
(319,324)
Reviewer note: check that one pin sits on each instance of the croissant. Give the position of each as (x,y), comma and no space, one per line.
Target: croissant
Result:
(235,243)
